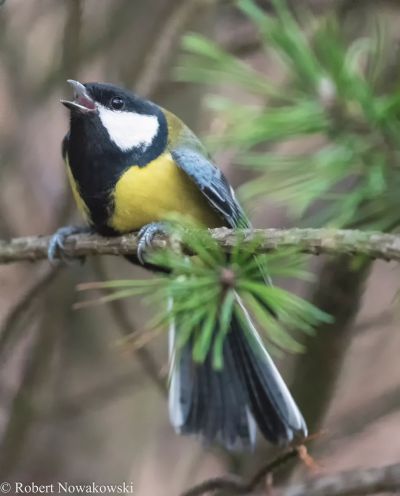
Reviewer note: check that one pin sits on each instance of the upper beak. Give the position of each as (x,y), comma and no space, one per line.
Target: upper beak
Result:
(82,102)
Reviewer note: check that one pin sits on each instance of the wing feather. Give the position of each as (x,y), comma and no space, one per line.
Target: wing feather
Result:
(212,183)
(215,187)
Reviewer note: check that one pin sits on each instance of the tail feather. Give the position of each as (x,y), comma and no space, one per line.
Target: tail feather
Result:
(271,403)
(226,405)
(209,403)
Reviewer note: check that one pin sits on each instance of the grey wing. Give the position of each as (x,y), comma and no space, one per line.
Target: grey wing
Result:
(212,183)
(214,186)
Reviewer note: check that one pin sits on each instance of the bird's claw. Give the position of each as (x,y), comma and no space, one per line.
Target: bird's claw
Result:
(146,236)
(56,249)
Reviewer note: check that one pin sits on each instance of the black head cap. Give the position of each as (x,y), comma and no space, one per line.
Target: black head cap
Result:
(88,96)
(108,119)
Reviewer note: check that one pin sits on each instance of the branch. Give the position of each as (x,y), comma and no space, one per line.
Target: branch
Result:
(127,328)
(314,241)
(358,482)
(237,487)
(338,293)
(350,483)
(23,306)
(159,54)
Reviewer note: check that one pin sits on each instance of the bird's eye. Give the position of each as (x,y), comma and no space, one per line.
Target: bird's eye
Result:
(117,103)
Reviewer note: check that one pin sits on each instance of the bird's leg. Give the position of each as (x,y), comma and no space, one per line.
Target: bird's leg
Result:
(55,251)
(146,236)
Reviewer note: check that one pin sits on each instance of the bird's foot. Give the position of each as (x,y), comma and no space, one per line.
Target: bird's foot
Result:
(146,236)
(56,250)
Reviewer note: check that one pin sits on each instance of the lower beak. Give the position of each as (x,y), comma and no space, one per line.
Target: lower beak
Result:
(82,102)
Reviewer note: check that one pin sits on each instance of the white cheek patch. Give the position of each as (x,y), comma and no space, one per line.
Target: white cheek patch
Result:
(127,129)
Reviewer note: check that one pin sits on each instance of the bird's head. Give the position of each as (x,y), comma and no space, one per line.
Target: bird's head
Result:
(130,122)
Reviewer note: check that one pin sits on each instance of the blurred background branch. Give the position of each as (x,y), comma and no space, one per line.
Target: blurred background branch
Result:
(360,482)
(351,483)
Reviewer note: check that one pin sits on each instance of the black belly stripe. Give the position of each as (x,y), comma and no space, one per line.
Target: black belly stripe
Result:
(97,166)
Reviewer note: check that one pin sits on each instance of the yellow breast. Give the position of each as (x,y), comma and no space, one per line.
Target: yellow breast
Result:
(148,194)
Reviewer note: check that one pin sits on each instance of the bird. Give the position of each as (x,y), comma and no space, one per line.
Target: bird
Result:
(130,163)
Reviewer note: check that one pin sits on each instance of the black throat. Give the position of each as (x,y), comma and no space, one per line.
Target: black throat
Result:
(97,163)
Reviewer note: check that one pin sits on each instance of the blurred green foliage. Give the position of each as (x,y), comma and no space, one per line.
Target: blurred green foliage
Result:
(334,93)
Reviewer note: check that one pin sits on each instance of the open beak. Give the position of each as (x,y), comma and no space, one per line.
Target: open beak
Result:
(82,102)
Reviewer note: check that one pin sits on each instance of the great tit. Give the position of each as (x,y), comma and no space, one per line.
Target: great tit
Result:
(130,163)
